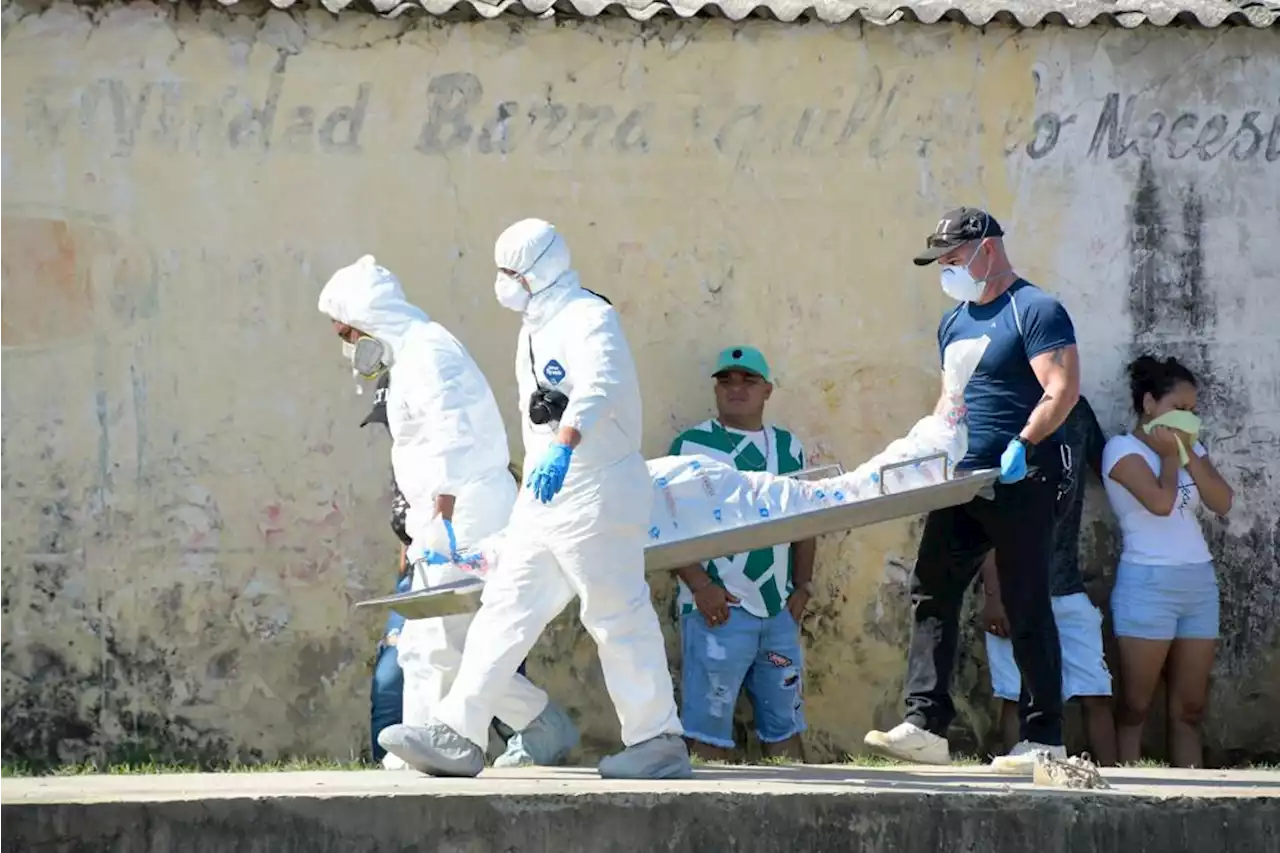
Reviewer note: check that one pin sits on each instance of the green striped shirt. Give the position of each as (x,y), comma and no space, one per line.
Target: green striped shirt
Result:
(760,579)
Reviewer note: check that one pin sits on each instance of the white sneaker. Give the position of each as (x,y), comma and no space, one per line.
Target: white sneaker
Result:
(1021,760)
(908,742)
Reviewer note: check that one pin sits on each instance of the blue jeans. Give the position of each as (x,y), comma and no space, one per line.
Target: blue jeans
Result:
(764,654)
(386,697)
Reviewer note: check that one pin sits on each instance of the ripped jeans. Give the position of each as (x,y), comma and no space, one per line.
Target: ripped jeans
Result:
(762,654)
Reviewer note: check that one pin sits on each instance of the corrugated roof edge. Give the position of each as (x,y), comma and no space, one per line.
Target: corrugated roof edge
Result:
(1027,13)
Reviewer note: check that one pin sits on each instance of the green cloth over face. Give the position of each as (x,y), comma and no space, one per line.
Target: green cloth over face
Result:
(1181,421)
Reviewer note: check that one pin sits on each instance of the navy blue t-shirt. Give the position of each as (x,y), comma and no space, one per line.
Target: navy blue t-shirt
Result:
(1022,323)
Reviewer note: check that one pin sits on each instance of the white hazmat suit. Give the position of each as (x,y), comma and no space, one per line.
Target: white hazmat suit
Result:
(587,542)
(447,439)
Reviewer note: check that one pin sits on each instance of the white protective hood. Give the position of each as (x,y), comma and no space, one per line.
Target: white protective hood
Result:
(369,297)
(447,433)
(533,248)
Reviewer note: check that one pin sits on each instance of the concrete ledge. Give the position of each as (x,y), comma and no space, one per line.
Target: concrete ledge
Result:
(571,811)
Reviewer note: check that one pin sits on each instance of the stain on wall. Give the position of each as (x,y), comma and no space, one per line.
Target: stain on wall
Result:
(190,507)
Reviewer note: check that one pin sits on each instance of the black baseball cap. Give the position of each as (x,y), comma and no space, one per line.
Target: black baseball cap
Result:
(955,228)
(378,414)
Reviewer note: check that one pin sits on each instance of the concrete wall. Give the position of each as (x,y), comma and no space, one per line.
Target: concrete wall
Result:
(189,506)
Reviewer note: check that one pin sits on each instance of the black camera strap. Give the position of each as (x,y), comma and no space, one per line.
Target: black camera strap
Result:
(533,361)
(533,364)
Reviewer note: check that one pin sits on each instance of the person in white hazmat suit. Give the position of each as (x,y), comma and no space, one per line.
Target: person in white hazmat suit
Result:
(578,528)
(449,455)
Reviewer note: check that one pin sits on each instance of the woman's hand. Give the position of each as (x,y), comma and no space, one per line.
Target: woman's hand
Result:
(1164,441)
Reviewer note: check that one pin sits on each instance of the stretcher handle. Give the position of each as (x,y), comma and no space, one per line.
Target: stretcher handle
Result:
(919,460)
(835,469)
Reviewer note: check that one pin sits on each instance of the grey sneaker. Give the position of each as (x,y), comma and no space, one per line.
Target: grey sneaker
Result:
(434,749)
(1021,760)
(547,741)
(662,757)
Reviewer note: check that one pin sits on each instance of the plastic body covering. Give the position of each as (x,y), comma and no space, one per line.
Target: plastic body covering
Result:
(695,495)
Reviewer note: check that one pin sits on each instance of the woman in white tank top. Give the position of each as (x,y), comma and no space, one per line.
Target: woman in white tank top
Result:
(1165,602)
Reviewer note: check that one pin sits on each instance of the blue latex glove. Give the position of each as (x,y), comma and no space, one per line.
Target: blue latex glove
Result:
(548,478)
(419,553)
(1013,462)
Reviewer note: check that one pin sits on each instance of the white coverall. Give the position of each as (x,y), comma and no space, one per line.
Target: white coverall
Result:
(447,438)
(589,540)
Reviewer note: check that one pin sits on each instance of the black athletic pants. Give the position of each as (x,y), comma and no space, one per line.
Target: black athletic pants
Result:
(1018,524)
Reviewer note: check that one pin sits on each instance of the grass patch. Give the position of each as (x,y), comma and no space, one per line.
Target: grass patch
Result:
(1146,763)
(91,768)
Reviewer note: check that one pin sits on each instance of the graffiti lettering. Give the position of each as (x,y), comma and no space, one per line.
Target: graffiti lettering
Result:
(340,131)
(596,117)
(551,116)
(458,113)
(497,135)
(1048,127)
(450,97)
(175,116)
(1122,130)
(455,99)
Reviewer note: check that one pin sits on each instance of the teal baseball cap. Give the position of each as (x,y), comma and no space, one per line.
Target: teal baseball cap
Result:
(748,359)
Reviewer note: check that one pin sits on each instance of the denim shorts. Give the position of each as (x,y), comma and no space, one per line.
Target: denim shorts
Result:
(1165,602)
(762,654)
(1084,669)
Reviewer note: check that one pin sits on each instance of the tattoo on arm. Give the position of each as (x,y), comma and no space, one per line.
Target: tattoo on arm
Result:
(1058,357)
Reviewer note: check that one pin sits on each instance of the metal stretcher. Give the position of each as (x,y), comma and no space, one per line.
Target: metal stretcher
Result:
(959,488)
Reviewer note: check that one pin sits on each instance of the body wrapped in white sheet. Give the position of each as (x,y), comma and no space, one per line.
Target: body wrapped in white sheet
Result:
(696,495)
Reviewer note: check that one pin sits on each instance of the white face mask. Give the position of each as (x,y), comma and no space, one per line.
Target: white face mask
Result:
(959,283)
(511,294)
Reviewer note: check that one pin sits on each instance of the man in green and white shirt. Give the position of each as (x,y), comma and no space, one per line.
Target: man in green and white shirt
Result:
(740,614)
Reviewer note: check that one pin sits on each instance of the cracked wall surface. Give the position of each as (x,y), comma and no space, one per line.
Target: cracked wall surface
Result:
(189,505)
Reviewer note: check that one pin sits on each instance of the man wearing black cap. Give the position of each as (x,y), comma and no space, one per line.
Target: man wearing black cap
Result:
(1025,385)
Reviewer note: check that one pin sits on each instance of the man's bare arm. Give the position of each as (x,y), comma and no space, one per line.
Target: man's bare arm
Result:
(803,553)
(695,577)
(941,407)
(1059,374)
(990,577)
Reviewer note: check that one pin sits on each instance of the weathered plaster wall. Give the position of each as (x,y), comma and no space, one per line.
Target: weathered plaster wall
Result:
(189,506)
